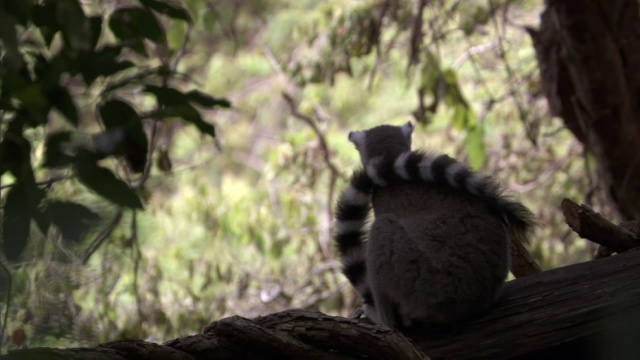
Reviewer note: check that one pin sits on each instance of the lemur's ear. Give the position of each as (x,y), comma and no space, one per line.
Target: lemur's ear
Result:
(407,129)
(357,138)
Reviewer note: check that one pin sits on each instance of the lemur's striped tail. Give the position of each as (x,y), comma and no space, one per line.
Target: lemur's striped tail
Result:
(354,204)
(352,211)
(447,172)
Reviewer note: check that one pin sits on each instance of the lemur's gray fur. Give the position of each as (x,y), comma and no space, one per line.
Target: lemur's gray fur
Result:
(438,249)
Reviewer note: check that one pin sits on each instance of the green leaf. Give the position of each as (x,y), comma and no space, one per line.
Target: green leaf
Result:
(168,9)
(104,183)
(472,15)
(16,223)
(132,23)
(474,145)
(118,113)
(12,57)
(76,27)
(163,161)
(460,118)
(190,114)
(61,100)
(73,220)
(176,104)
(44,21)
(33,104)
(19,9)
(95,22)
(3,158)
(431,72)
(119,117)
(17,154)
(103,62)
(176,35)
(206,100)
(46,74)
(167,96)
(453,94)
(482,15)
(54,154)
(42,217)
(31,96)
(108,143)
(62,63)
(136,45)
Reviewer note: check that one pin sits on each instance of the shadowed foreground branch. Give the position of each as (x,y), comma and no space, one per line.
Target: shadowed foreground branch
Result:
(566,310)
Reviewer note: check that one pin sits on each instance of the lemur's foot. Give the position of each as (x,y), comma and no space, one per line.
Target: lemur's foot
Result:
(358,314)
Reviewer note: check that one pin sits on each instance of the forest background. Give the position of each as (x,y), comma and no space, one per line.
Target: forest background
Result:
(240,223)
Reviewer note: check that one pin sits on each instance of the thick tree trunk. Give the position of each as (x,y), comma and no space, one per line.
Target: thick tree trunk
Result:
(580,310)
(589,57)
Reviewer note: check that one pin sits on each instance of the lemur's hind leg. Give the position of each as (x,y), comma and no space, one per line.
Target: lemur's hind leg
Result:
(392,272)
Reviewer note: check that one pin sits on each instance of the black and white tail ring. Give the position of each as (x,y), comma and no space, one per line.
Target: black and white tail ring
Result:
(352,211)
(447,172)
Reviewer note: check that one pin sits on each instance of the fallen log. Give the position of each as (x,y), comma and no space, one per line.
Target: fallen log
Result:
(561,311)
(568,305)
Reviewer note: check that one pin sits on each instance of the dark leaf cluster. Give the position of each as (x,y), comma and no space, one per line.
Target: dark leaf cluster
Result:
(50,51)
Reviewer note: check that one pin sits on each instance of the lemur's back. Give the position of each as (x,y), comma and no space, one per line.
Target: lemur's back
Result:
(455,243)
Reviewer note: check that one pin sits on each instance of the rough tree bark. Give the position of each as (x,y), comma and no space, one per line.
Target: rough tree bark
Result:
(589,57)
(590,225)
(562,311)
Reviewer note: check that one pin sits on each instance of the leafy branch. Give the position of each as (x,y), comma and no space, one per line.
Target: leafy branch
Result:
(334,173)
(84,70)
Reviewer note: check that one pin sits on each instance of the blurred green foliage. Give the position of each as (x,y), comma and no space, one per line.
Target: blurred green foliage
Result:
(241,225)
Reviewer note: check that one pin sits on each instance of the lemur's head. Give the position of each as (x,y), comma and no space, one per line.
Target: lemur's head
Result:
(382,141)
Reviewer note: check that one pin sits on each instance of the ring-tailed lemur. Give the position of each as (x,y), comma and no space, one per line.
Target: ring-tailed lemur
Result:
(438,249)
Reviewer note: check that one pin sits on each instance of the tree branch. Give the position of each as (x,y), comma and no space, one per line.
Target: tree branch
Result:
(46,183)
(326,153)
(104,235)
(522,263)
(591,226)
(312,124)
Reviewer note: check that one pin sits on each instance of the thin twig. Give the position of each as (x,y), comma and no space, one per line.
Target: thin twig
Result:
(230,31)
(4,267)
(182,51)
(502,53)
(154,130)
(472,51)
(416,36)
(95,245)
(136,263)
(547,174)
(438,21)
(129,79)
(46,183)
(6,309)
(316,271)
(379,24)
(271,58)
(326,153)
(147,172)
(312,124)
(334,172)
(152,147)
